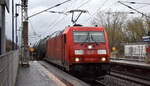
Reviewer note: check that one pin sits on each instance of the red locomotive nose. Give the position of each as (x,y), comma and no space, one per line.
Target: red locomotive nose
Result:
(89,52)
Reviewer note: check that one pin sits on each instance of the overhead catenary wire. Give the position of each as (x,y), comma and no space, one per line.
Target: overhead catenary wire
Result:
(103,4)
(134,9)
(59,12)
(34,35)
(84,4)
(140,7)
(92,15)
(34,32)
(54,24)
(145,4)
(49,8)
(132,2)
(130,11)
(58,20)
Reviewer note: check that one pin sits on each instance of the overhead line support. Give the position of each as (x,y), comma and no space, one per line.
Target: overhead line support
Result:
(24,45)
(134,9)
(48,8)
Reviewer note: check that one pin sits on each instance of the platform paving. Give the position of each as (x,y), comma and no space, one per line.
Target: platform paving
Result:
(35,75)
(68,79)
(43,74)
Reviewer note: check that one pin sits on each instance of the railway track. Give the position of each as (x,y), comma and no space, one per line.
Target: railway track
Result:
(119,79)
(93,82)
(134,72)
(97,83)
(128,77)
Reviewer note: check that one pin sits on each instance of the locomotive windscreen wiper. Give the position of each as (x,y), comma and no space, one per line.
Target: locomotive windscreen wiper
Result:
(87,38)
(93,39)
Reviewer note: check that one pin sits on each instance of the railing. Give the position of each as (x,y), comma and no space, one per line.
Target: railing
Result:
(9,68)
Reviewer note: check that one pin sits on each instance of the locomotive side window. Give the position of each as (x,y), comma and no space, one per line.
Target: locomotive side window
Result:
(88,36)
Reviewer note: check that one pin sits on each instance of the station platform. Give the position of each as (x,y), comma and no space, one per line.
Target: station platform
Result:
(43,74)
(132,63)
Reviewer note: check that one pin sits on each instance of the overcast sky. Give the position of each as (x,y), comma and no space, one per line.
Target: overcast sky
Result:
(46,23)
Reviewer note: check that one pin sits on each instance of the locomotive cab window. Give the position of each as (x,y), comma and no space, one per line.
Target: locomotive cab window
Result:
(88,36)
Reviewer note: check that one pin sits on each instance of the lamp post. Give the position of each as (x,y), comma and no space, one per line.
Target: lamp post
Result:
(16,23)
(13,25)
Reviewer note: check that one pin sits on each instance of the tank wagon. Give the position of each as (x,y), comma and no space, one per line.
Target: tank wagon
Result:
(83,50)
(40,49)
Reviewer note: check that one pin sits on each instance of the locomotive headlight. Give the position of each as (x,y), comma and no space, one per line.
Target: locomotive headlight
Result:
(103,59)
(77,59)
(78,52)
(90,47)
(101,52)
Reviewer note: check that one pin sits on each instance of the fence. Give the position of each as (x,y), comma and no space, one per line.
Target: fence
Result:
(8,68)
(136,51)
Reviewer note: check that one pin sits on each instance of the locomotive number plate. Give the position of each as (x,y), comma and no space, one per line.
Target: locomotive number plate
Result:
(90,52)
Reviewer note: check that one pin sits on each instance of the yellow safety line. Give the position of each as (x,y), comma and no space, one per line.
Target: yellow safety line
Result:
(51,76)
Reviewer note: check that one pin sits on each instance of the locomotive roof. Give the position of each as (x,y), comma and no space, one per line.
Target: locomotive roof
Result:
(78,28)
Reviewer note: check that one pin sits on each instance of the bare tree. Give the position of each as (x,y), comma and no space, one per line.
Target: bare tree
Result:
(147,21)
(114,23)
(136,28)
(122,28)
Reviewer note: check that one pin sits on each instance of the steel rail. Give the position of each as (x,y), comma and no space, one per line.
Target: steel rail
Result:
(130,78)
(133,75)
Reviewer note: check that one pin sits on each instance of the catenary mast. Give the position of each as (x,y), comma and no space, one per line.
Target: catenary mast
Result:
(24,44)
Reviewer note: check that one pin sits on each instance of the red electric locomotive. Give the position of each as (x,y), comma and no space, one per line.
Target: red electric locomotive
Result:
(83,50)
